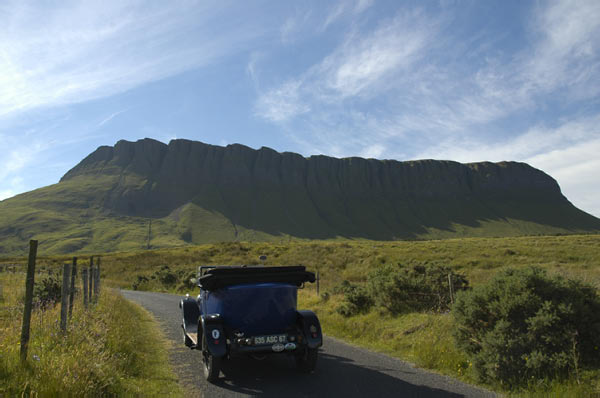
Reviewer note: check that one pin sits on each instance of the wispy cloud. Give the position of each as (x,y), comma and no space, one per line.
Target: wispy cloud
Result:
(418,76)
(358,67)
(110,117)
(80,51)
(342,8)
(295,24)
(18,153)
(282,103)
(251,68)
(567,51)
(362,63)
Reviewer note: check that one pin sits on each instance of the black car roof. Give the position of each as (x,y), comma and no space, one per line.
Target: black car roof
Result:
(223,276)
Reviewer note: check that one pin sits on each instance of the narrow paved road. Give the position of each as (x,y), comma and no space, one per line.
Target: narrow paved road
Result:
(342,370)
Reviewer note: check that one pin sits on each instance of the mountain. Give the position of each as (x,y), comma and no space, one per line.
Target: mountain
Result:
(149,194)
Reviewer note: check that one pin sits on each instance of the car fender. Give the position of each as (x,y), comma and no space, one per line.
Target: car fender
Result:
(307,320)
(191,314)
(213,330)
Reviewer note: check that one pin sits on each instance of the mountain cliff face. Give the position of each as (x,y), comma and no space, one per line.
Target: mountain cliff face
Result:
(197,193)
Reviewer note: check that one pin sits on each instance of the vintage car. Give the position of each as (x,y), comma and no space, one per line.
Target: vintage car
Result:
(250,310)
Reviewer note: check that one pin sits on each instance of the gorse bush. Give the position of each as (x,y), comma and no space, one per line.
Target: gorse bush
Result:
(526,325)
(140,283)
(401,288)
(165,278)
(47,291)
(188,281)
(356,299)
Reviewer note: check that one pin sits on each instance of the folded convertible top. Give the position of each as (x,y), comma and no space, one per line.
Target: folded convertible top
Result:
(217,278)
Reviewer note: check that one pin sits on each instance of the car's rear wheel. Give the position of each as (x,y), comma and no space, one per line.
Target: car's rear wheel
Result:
(307,360)
(211,365)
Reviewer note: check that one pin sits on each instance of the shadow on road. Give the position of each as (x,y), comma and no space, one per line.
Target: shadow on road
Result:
(335,376)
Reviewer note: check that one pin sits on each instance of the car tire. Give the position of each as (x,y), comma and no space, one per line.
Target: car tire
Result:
(211,365)
(306,361)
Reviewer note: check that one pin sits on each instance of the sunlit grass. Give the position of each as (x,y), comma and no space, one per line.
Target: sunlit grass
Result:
(113,348)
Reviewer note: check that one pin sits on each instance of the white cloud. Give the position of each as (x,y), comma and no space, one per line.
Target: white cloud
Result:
(110,117)
(252,68)
(343,8)
(80,51)
(22,153)
(575,167)
(281,103)
(569,39)
(362,5)
(360,66)
(373,151)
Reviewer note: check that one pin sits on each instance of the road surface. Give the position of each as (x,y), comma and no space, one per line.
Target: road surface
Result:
(342,370)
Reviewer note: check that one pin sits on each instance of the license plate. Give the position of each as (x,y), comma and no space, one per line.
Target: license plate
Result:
(272,339)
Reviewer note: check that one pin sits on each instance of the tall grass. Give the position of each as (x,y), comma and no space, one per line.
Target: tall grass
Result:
(113,348)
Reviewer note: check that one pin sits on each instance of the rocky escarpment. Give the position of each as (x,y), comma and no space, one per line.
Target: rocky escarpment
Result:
(320,196)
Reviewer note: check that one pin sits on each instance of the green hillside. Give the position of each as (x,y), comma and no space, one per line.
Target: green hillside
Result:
(150,195)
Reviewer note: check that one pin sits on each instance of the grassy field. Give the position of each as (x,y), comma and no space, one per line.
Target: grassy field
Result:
(98,356)
(422,338)
(478,258)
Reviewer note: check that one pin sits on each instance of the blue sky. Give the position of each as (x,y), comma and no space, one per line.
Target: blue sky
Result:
(459,80)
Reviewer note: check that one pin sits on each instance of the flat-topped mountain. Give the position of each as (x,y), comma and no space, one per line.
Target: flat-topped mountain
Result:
(150,194)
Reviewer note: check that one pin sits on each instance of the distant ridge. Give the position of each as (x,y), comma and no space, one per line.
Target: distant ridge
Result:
(198,193)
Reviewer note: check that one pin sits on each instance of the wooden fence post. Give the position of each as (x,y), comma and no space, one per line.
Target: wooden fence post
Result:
(95,277)
(64,297)
(318,282)
(98,266)
(84,276)
(28,298)
(91,279)
(72,290)
(451,287)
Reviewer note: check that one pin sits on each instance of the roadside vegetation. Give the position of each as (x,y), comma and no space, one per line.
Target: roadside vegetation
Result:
(394,297)
(114,348)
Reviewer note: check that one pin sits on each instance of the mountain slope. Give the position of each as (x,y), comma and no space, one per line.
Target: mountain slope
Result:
(149,194)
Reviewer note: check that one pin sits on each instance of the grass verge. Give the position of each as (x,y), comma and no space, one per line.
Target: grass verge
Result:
(112,348)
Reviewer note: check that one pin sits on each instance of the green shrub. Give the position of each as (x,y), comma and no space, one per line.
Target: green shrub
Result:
(166,276)
(356,299)
(47,291)
(141,281)
(401,288)
(524,325)
(188,281)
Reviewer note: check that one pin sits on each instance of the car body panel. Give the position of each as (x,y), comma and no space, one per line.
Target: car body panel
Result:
(253,309)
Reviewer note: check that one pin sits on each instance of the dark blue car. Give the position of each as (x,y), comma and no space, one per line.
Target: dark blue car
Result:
(250,311)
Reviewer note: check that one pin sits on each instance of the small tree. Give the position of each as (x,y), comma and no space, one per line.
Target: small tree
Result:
(525,324)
